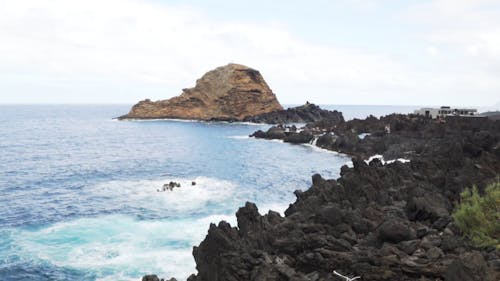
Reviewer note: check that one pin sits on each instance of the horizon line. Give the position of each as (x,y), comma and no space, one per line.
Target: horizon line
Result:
(285,104)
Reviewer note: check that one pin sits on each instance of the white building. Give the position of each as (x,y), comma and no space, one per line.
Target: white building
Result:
(444,111)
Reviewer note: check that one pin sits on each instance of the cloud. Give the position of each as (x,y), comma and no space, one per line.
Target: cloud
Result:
(468,27)
(101,49)
(464,33)
(433,51)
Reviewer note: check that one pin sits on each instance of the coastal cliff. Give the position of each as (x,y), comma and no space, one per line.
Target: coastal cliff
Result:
(230,93)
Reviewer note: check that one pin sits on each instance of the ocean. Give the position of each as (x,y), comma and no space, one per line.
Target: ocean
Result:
(79,195)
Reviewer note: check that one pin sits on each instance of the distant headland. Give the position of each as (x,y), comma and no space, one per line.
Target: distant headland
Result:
(233,92)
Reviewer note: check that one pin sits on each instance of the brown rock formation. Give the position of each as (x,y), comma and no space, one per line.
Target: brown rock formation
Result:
(230,92)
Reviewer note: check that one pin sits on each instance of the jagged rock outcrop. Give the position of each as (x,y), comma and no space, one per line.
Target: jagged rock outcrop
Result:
(155,278)
(301,114)
(310,113)
(378,221)
(232,92)
(288,134)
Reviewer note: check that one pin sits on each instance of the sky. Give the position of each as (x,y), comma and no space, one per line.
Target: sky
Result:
(379,52)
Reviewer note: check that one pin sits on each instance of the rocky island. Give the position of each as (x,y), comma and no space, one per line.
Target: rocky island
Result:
(230,93)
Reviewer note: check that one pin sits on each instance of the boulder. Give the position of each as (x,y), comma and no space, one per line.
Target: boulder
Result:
(471,267)
(427,207)
(302,137)
(395,230)
(150,278)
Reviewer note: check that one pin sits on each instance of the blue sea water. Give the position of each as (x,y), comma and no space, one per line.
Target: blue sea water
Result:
(78,190)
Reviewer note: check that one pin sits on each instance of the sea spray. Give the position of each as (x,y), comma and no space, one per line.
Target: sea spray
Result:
(116,245)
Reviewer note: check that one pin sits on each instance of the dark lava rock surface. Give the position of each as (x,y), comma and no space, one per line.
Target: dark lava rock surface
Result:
(378,221)
(301,114)
(286,133)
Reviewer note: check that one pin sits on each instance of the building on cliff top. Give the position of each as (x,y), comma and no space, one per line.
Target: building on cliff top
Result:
(445,111)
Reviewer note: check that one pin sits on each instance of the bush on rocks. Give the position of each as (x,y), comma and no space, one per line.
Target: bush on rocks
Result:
(479,216)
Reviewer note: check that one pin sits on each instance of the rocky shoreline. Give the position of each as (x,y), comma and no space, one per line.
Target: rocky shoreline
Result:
(379,221)
(306,113)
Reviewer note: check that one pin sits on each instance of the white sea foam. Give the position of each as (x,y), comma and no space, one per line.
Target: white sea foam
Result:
(190,121)
(273,140)
(117,247)
(314,141)
(402,160)
(161,119)
(149,194)
(363,135)
(277,207)
(312,146)
(324,150)
(381,158)
(376,156)
(239,123)
(239,137)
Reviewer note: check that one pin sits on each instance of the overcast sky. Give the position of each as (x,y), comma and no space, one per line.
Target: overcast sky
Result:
(324,51)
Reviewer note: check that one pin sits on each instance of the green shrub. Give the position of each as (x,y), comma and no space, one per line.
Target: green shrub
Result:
(479,216)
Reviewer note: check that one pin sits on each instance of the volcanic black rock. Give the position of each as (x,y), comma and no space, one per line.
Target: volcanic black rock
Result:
(381,221)
(378,221)
(301,114)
